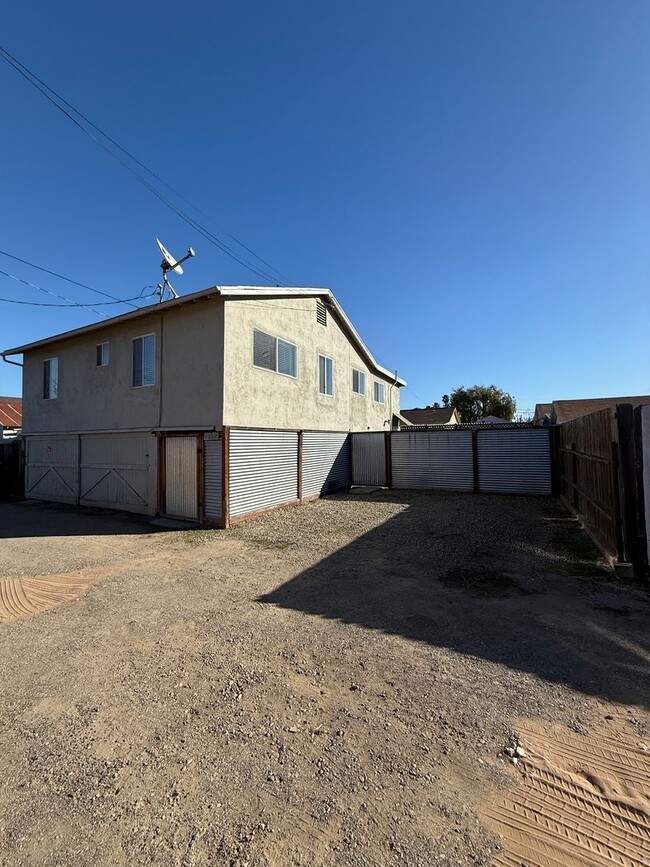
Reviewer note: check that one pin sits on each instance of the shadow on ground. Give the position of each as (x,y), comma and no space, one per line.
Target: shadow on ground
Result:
(33,518)
(492,577)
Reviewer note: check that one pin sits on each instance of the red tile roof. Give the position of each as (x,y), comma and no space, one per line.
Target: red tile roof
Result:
(11,411)
(431,415)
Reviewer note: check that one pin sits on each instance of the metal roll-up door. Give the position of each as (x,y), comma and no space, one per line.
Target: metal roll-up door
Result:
(263,470)
(440,460)
(115,471)
(514,461)
(369,458)
(181,477)
(325,462)
(213,476)
(52,468)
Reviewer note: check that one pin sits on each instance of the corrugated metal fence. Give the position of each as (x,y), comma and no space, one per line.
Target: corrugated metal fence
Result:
(498,460)
(325,462)
(437,460)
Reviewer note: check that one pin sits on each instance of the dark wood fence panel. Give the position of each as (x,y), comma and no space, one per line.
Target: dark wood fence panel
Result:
(590,475)
(11,469)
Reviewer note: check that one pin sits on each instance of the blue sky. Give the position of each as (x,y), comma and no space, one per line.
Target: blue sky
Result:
(472,179)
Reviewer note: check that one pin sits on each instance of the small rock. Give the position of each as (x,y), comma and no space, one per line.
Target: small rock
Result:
(643,747)
(520,752)
(514,760)
(293,729)
(509,751)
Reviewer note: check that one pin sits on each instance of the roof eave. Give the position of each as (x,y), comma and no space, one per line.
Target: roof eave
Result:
(224,292)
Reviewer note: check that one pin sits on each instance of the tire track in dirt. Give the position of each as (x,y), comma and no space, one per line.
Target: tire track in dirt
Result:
(584,801)
(23,595)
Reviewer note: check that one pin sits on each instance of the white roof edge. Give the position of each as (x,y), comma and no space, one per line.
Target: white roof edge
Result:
(225,292)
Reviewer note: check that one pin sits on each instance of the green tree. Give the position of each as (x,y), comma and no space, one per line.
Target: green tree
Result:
(476,402)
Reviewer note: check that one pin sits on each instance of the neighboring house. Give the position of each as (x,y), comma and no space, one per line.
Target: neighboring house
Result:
(432,415)
(184,371)
(542,414)
(11,417)
(560,411)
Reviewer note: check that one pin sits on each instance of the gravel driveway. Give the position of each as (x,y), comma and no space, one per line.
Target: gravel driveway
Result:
(329,685)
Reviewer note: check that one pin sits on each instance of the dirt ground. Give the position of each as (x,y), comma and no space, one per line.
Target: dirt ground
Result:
(343,684)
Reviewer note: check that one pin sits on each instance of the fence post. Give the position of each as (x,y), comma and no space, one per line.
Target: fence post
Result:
(475,466)
(300,445)
(627,482)
(389,459)
(556,460)
(225,478)
(643,498)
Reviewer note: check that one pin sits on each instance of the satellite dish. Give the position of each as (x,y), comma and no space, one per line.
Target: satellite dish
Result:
(170,264)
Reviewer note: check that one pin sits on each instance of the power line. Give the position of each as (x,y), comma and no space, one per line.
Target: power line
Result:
(69,302)
(46,91)
(67,279)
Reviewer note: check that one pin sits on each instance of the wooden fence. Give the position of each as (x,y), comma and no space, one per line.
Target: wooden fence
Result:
(600,481)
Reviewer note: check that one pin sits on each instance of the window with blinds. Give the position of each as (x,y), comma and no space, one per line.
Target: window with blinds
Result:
(50,378)
(325,384)
(379,392)
(144,360)
(358,382)
(273,353)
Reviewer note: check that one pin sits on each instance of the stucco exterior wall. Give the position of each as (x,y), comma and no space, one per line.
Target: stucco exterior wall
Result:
(189,341)
(254,397)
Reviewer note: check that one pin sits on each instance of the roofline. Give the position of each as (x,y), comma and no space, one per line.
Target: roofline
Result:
(225,292)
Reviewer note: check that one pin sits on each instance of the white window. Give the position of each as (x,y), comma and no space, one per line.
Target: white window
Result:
(50,378)
(321,313)
(325,375)
(379,392)
(273,353)
(102,354)
(358,382)
(144,360)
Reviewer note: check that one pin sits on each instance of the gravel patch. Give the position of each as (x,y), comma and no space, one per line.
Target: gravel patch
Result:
(328,685)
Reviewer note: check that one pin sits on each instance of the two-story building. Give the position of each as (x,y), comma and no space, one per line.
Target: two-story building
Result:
(211,406)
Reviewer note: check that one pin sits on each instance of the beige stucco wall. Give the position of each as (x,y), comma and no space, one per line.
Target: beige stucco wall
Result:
(92,398)
(254,397)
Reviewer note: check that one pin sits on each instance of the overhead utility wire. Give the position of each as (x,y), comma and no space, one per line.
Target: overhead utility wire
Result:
(42,87)
(69,303)
(67,279)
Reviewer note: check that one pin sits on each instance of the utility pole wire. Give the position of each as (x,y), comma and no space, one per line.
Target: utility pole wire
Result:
(42,87)
(67,279)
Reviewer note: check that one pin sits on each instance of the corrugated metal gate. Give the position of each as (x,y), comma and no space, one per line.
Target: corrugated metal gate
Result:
(115,471)
(181,477)
(439,460)
(325,462)
(514,461)
(263,470)
(369,459)
(213,461)
(52,468)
